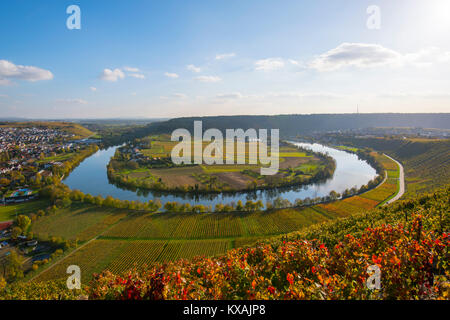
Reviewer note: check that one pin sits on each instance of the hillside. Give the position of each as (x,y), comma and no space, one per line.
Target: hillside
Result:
(78,130)
(426,162)
(408,241)
(292,125)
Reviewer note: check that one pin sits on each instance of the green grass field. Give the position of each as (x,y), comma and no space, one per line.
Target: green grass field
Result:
(8,212)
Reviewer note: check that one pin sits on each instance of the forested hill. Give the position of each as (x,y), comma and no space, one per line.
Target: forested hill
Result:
(291,125)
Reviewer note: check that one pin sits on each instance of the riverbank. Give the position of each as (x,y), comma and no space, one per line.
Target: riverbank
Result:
(350,172)
(118,238)
(147,165)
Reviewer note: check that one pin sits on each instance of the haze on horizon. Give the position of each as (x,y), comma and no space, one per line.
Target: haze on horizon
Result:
(141,59)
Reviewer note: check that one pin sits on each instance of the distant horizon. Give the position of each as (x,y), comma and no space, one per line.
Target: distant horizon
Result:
(173,59)
(210,116)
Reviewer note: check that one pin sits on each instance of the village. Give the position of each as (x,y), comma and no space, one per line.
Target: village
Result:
(29,156)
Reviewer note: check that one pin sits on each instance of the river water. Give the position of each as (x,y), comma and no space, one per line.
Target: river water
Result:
(91,177)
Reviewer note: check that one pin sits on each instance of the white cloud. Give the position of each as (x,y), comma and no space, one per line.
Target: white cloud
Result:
(134,72)
(179,95)
(112,75)
(93,89)
(117,74)
(427,57)
(361,55)
(366,55)
(193,68)
(130,69)
(72,101)
(414,95)
(171,75)
(9,71)
(305,95)
(225,56)
(137,75)
(297,63)
(208,79)
(233,95)
(269,64)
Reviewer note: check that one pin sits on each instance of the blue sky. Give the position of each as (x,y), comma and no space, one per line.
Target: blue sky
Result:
(184,58)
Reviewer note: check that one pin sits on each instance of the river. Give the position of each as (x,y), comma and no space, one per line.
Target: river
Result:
(91,177)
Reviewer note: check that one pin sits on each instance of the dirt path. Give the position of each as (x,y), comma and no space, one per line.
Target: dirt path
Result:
(59,261)
(401,178)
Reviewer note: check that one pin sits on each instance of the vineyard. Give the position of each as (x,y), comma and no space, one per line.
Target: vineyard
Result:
(426,161)
(126,238)
(407,240)
(78,222)
(120,255)
(212,225)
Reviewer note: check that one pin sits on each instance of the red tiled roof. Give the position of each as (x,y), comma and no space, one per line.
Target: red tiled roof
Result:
(5,225)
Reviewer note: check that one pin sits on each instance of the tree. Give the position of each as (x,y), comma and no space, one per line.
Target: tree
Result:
(14,266)
(23,222)
(89,199)
(334,195)
(2,283)
(15,233)
(37,179)
(219,207)
(98,200)
(66,202)
(4,182)
(108,202)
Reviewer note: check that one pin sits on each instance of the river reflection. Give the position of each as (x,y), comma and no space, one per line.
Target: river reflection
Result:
(91,177)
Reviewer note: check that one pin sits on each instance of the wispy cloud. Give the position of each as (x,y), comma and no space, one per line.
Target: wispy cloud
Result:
(93,89)
(193,68)
(72,101)
(10,71)
(225,56)
(134,72)
(137,75)
(233,95)
(269,64)
(367,55)
(179,95)
(131,69)
(171,75)
(208,79)
(112,75)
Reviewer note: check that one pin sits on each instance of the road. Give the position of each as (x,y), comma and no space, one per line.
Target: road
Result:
(401,178)
(59,261)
